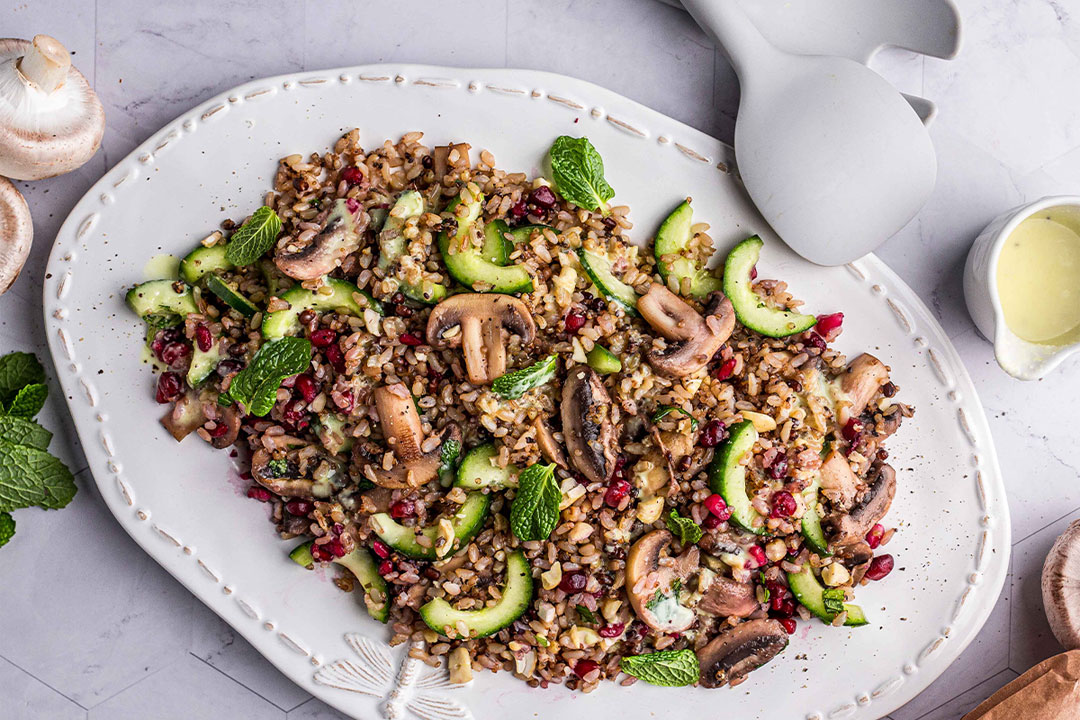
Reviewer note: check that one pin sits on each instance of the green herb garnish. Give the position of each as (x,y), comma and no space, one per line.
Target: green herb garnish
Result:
(255,387)
(17,371)
(278,467)
(7,528)
(542,641)
(666,410)
(451,449)
(689,532)
(578,172)
(517,383)
(668,668)
(834,600)
(535,509)
(587,615)
(254,237)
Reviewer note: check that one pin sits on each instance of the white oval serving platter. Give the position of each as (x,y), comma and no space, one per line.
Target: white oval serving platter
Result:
(185,505)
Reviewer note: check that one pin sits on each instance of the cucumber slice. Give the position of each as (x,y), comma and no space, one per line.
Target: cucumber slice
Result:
(603,360)
(598,268)
(469,266)
(809,592)
(727,476)
(202,261)
(466,522)
(203,363)
(524,233)
(301,555)
(360,563)
(286,322)
(496,247)
(230,296)
(672,240)
(478,471)
(158,302)
(811,519)
(330,429)
(517,595)
(409,204)
(750,308)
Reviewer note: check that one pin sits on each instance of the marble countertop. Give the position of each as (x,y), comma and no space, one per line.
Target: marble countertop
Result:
(91,627)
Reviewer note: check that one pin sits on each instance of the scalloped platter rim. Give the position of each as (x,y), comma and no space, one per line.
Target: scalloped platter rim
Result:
(185,505)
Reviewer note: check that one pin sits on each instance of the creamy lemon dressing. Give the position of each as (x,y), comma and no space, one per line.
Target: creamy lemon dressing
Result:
(1038,277)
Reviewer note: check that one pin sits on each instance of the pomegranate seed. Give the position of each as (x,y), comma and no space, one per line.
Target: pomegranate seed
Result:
(711,522)
(776,602)
(323,337)
(402,509)
(338,528)
(852,430)
(880,566)
(613,630)
(815,341)
(828,326)
(169,387)
(787,608)
(788,624)
(716,505)
(174,352)
(320,554)
(386,567)
(381,549)
(352,205)
(584,666)
(574,322)
(203,338)
(336,358)
(873,538)
(410,339)
(543,197)
(306,387)
(337,548)
(352,175)
(518,210)
(758,555)
(300,508)
(219,430)
(778,469)
(295,415)
(725,370)
(615,493)
(753,273)
(783,504)
(573,582)
(714,433)
(258,493)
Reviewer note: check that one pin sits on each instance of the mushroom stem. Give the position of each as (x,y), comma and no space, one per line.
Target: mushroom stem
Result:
(46,65)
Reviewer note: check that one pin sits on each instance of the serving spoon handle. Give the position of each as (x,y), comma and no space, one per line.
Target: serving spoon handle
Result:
(736,35)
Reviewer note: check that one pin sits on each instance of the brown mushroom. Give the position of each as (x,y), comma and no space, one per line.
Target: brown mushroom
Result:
(185,417)
(859,382)
(729,598)
(401,427)
(16,233)
(734,653)
(264,474)
(693,339)
(549,447)
(484,321)
(839,484)
(855,554)
(1061,587)
(324,252)
(441,158)
(852,526)
(589,424)
(650,572)
(231,420)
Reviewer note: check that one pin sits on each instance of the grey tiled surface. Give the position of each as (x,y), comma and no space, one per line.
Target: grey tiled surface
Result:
(91,627)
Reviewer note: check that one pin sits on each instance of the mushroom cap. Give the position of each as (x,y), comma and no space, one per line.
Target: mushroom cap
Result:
(1061,587)
(43,134)
(327,249)
(232,420)
(588,424)
(839,483)
(694,339)
(864,375)
(729,598)
(646,574)
(734,653)
(404,434)
(483,319)
(852,526)
(16,233)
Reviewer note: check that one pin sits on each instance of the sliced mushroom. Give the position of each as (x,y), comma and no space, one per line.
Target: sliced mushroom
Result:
(16,233)
(855,554)
(839,483)
(484,321)
(441,158)
(693,339)
(863,377)
(339,236)
(1061,587)
(401,427)
(51,121)
(650,572)
(589,425)
(549,447)
(284,486)
(851,527)
(729,598)
(734,653)
(231,419)
(185,417)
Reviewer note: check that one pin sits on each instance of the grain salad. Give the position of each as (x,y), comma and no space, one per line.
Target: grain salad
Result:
(531,444)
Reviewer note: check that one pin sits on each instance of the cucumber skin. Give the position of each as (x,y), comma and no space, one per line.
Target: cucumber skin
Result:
(721,483)
(808,590)
(487,475)
(230,297)
(471,267)
(143,299)
(593,273)
(403,539)
(603,360)
(202,261)
(360,563)
(518,589)
(750,309)
(282,322)
(671,239)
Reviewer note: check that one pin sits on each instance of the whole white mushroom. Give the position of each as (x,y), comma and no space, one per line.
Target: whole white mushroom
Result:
(16,233)
(51,121)
(1061,587)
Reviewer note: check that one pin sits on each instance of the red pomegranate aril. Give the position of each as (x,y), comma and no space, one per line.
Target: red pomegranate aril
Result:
(574,322)
(711,522)
(789,625)
(352,175)
(585,666)
(402,509)
(410,339)
(306,386)
(615,493)
(258,493)
(716,505)
(873,538)
(518,210)
(352,205)
(815,341)
(337,548)
(218,430)
(203,338)
(775,603)
(725,370)
(299,508)
(573,582)
(543,196)
(613,630)
(169,387)
(852,430)
(828,326)
(783,504)
(336,358)
(338,528)
(758,555)
(386,567)
(787,608)
(880,566)
(714,433)
(381,549)
(174,352)
(319,554)
(323,337)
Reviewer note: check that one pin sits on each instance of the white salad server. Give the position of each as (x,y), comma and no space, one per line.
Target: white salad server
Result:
(833,156)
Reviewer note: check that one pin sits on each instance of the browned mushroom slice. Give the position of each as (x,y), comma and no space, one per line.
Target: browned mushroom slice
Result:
(693,339)
(863,377)
(441,158)
(16,233)
(483,321)
(231,420)
(734,653)
(588,425)
(549,447)
(185,417)
(324,252)
(839,484)
(855,554)
(729,598)
(404,435)
(263,473)
(852,526)
(650,573)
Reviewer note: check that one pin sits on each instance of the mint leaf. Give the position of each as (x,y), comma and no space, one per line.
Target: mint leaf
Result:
(29,401)
(254,237)
(578,172)
(7,528)
(449,454)
(689,532)
(29,476)
(517,383)
(668,668)
(587,615)
(535,509)
(256,386)
(17,370)
(834,600)
(666,410)
(20,431)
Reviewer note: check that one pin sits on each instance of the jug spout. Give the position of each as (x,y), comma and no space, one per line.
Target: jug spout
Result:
(1026,360)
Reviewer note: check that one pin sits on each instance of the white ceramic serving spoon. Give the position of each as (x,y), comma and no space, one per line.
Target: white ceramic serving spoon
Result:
(832,155)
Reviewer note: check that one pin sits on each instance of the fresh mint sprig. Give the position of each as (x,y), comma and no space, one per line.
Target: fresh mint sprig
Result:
(534,512)
(517,383)
(689,532)
(666,410)
(254,237)
(667,668)
(578,172)
(255,387)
